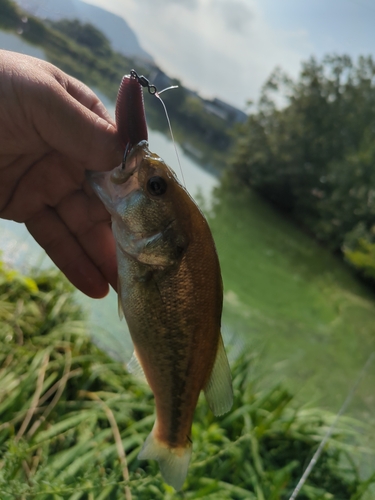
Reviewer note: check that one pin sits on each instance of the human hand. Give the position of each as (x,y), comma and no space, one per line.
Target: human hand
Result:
(52,129)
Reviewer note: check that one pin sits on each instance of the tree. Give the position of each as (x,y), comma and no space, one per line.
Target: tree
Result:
(314,154)
(86,35)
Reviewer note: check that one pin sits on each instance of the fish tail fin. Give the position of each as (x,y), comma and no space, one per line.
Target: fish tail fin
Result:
(173,462)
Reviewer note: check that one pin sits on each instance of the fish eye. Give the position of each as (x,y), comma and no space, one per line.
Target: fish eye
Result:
(156,185)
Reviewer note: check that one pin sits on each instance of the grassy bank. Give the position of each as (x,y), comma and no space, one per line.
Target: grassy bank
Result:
(69,414)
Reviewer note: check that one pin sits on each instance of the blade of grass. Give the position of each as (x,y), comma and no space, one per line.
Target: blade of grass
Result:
(117,438)
(35,400)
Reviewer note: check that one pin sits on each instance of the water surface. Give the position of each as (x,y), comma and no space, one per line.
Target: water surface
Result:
(9,41)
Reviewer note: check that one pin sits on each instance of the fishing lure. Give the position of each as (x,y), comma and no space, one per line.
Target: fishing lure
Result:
(130,112)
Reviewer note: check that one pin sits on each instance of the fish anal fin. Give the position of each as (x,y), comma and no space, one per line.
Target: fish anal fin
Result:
(135,368)
(119,300)
(218,390)
(173,462)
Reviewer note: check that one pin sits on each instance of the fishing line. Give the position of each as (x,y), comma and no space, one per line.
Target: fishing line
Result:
(157,94)
(168,88)
(328,434)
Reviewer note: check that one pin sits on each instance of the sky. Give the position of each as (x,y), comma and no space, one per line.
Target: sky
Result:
(228,48)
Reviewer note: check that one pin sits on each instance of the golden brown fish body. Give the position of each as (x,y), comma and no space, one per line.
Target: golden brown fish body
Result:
(170,291)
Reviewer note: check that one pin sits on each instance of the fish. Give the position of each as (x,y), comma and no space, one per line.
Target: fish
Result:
(171,294)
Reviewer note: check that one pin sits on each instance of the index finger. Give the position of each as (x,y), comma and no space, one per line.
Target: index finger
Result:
(77,129)
(83,94)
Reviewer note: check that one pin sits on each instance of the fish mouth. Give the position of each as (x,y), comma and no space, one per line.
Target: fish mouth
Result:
(110,192)
(114,185)
(132,160)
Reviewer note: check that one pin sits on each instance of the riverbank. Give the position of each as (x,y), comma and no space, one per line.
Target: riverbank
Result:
(73,420)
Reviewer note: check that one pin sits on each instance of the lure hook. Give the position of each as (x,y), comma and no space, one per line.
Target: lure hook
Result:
(142,80)
(125,155)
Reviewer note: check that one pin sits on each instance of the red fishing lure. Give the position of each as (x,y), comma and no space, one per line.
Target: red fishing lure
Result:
(130,112)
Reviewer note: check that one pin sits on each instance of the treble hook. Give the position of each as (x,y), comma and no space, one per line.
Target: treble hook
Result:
(142,80)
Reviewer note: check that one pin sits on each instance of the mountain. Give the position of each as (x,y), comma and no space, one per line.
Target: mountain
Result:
(115,28)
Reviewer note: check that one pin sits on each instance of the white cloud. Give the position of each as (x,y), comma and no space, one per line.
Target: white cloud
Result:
(222,48)
(236,14)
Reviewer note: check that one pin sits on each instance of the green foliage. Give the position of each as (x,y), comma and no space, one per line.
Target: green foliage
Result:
(80,50)
(85,34)
(9,15)
(66,409)
(363,257)
(315,156)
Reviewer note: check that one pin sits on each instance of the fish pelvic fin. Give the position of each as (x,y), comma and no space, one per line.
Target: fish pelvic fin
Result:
(135,368)
(173,462)
(218,390)
(119,299)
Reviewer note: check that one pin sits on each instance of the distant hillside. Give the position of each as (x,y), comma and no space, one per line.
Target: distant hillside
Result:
(76,58)
(122,37)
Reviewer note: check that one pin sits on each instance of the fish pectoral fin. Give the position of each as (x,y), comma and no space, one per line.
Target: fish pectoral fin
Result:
(153,250)
(218,390)
(119,300)
(150,250)
(135,368)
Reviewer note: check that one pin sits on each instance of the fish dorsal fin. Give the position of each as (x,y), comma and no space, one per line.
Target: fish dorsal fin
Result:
(119,300)
(135,368)
(218,390)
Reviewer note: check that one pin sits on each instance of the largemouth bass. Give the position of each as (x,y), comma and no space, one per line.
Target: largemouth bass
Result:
(170,291)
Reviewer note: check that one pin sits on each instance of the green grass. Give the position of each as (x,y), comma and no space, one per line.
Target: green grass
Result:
(291,300)
(72,420)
